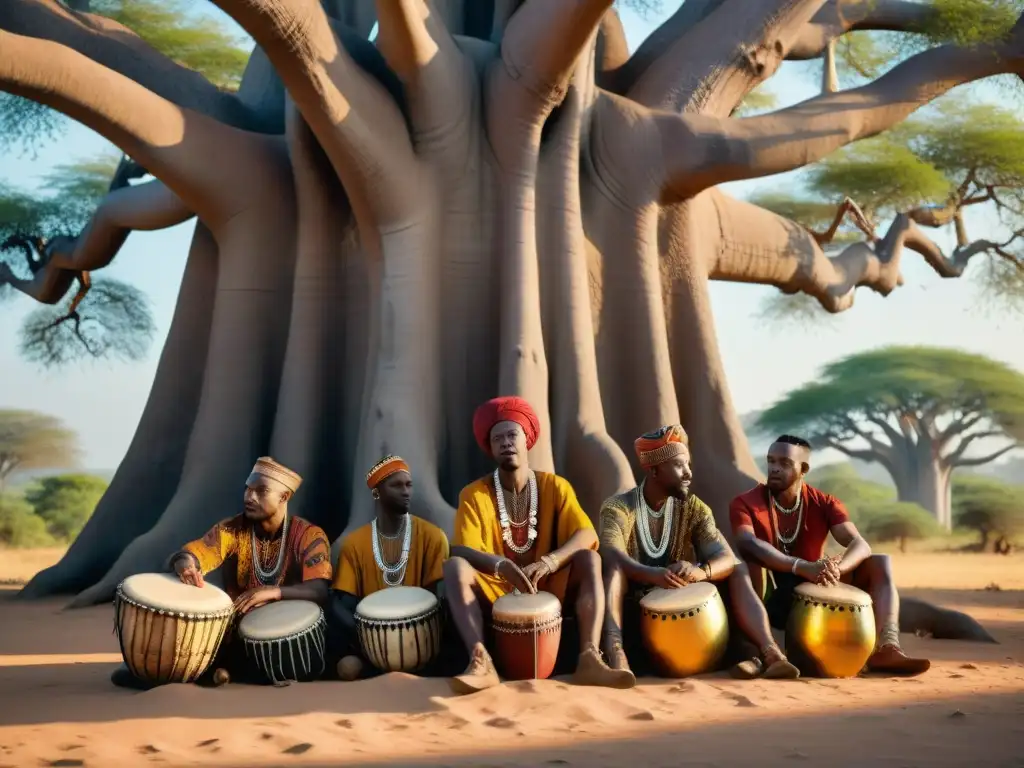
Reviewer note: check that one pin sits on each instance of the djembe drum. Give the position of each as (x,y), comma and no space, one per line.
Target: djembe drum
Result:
(286,641)
(831,630)
(527,631)
(399,628)
(169,632)
(685,630)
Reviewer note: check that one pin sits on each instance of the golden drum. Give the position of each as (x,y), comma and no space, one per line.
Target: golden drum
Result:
(169,632)
(685,630)
(831,630)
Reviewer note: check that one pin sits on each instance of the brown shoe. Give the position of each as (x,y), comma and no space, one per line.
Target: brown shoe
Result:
(616,656)
(777,666)
(891,660)
(591,670)
(350,668)
(479,675)
(748,669)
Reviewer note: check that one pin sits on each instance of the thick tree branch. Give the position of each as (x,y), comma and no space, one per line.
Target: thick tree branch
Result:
(188,151)
(356,121)
(701,152)
(956,458)
(711,68)
(118,48)
(839,17)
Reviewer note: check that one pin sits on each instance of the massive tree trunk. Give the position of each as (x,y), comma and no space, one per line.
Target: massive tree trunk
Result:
(446,219)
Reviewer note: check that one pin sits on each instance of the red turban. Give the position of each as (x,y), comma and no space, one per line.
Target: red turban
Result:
(505,409)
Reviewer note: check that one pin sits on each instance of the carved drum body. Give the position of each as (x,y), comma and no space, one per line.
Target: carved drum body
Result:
(527,631)
(831,630)
(399,628)
(685,630)
(169,632)
(286,641)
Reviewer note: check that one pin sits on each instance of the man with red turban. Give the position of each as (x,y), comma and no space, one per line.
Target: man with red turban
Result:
(659,534)
(525,530)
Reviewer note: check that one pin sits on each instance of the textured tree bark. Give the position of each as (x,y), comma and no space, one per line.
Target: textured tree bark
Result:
(447,219)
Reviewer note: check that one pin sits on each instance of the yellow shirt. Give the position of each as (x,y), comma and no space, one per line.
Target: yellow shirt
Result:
(559,516)
(356,571)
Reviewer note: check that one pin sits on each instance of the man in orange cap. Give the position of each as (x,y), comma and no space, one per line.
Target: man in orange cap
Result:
(524,530)
(272,556)
(395,549)
(659,534)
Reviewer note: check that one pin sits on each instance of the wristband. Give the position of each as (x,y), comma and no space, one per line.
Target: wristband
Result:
(550,562)
(497,567)
(795,564)
(707,570)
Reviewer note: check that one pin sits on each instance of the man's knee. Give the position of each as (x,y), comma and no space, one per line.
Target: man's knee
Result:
(587,565)
(458,574)
(877,569)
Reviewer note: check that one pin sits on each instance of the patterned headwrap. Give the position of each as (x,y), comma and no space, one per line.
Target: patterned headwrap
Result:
(384,469)
(660,445)
(267,467)
(505,409)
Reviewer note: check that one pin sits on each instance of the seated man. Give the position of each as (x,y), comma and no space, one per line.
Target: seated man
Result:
(374,557)
(270,555)
(782,526)
(661,535)
(525,530)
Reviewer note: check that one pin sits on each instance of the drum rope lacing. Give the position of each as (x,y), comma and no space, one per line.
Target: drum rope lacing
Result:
(643,524)
(394,574)
(507,523)
(263,575)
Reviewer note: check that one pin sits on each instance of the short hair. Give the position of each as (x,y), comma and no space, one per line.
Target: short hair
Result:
(793,440)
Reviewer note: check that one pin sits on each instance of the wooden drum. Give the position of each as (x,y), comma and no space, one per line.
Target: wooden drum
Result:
(286,641)
(527,631)
(685,630)
(831,630)
(169,632)
(399,628)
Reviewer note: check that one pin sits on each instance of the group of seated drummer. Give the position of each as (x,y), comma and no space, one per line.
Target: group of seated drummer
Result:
(524,531)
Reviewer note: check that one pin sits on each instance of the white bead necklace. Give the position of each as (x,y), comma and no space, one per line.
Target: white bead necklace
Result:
(643,524)
(506,523)
(394,574)
(268,577)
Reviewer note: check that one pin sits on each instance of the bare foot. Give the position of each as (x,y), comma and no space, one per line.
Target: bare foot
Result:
(350,668)
(479,675)
(892,660)
(591,670)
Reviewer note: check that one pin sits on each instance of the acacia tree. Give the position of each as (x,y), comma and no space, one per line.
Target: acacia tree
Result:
(496,198)
(915,410)
(31,440)
(992,508)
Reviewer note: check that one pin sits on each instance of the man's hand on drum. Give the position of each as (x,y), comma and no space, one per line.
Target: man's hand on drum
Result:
(188,572)
(688,572)
(666,578)
(824,571)
(517,577)
(254,598)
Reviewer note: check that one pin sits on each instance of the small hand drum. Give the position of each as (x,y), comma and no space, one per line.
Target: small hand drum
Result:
(685,630)
(399,628)
(831,630)
(286,641)
(527,631)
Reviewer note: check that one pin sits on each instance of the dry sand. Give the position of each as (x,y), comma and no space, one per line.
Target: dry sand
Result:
(57,707)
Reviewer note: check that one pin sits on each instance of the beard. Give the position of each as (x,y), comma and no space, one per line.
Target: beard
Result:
(681,493)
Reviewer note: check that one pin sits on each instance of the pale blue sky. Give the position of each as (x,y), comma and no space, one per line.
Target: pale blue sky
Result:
(103,400)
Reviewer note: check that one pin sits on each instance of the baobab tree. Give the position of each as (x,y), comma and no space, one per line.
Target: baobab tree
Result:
(495,198)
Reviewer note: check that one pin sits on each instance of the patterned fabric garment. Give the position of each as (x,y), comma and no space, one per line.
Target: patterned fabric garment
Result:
(694,538)
(307,554)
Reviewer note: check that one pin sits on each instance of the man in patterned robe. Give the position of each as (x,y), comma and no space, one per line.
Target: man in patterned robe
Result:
(661,535)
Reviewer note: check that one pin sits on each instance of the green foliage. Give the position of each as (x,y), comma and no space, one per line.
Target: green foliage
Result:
(20,527)
(65,502)
(988,505)
(761,99)
(894,382)
(32,440)
(861,497)
(898,521)
(968,22)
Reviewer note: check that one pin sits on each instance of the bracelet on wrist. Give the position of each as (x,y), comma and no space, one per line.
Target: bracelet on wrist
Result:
(497,567)
(796,564)
(707,570)
(550,562)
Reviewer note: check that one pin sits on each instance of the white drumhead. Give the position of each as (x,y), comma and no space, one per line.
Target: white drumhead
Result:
(838,594)
(165,592)
(516,607)
(396,603)
(681,599)
(270,622)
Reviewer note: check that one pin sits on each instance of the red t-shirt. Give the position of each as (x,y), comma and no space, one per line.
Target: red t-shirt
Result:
(820,513)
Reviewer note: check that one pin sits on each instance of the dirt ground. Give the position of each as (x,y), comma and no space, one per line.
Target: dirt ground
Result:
(57,707)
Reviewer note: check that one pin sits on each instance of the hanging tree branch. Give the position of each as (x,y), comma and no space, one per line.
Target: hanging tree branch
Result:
(838,17)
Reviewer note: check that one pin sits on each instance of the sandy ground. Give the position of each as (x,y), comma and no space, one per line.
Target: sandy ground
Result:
(57,707)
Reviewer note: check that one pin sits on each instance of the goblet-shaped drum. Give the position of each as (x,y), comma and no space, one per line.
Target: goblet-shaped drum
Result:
(831,630)
(685,630)
(399,628)
(286,641)
(169,632)
(527,631)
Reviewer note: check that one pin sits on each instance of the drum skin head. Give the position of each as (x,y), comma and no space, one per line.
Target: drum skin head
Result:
(165,592)
(513,607)
(277,620)
(396,603)
(839,594)
(682,599)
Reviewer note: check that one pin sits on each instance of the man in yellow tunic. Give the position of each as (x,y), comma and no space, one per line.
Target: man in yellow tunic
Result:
(659,534)
(267,555)
(525,530)
(396,549)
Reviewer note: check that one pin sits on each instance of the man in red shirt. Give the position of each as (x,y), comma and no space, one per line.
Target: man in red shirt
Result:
(782,527)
